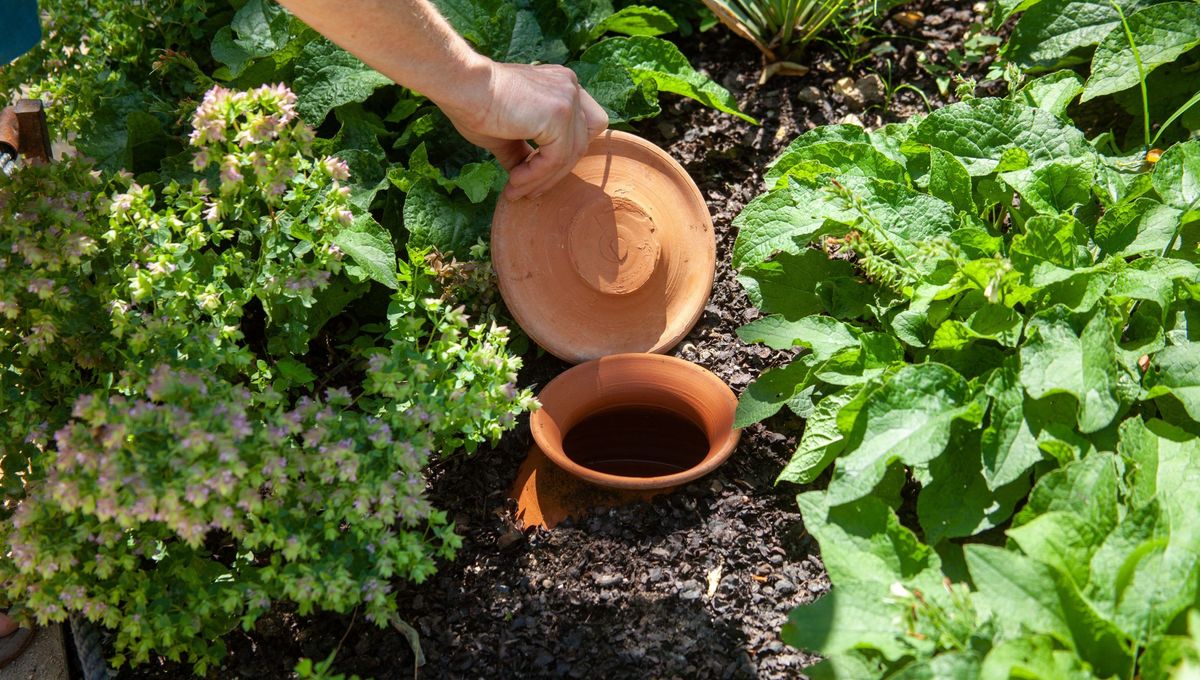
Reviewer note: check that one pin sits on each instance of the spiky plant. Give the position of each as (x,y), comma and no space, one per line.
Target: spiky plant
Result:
(780,29)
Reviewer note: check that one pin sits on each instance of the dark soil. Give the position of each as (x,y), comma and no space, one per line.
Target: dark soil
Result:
(697,583)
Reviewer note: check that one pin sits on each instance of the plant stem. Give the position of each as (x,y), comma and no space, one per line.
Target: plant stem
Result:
(1137,58)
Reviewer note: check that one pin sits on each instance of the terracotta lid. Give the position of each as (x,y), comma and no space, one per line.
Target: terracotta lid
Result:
(617,257)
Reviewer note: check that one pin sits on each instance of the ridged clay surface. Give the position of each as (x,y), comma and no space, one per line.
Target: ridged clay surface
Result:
(617,257)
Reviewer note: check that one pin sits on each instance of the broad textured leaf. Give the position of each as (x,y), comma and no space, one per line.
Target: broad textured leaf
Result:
(979,131)
(1049,33)
(865,550)
(864,542)
(370,248)
(1144,225)
(1032,657)
(1088,486)
(821,442)
(955,500)
(450,223)
(1176,371)
(1054,187)
(660,61)
(1057,358)
(623,99)
(1161,32)
(790,285)
(907,419)
(328,76)
(1026,595)
(949,180)
(1064,540)
(822,334)
(1177,177)
(1053,92)
(636,20)
(769,392)
(1008,445)
(842,157)
(782,220)
(1056,240)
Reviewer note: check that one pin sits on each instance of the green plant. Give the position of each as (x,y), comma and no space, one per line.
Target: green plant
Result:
(172,466)
(1142,53)
(1001,325)
(780,29)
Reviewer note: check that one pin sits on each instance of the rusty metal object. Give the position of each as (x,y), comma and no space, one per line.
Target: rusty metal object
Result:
(34,136)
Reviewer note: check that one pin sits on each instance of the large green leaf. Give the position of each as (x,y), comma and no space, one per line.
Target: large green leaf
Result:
(611,85)
(1056,358)
(1177,178)
(792,285)
(1141,226)
(769,392)
(1175,370)
(1052,32)
(782,220)
(452,224)
(1027,596)
(979,131)
(1009,444)
(653,59)
(822,334)
(1161,32)
(955,500)
(370,249)
(1053,92)
(327,77)
(636,20)
(822,441)
(908,419)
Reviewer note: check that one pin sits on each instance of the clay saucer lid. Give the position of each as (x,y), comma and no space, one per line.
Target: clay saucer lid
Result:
(617,257)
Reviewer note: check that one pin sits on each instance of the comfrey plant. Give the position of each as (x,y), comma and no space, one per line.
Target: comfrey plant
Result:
(170,474)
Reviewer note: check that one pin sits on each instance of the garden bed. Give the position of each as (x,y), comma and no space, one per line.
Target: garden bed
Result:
(694,584)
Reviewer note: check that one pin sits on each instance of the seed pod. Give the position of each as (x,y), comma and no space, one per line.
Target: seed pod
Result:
(1144,363)
(1153,155)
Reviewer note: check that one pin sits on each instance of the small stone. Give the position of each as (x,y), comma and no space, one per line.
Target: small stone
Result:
(845,87)
(654,575)
(815,587)
(607,580)
(851,119)
(810,95)
(871,88)
(785,587)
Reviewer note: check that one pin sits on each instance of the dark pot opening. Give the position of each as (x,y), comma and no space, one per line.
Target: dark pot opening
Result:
(637,441)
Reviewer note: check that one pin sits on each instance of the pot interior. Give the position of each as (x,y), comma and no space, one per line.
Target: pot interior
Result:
(637,440)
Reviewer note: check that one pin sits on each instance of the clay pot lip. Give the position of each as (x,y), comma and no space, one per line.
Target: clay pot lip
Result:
(553,450)
(564,350)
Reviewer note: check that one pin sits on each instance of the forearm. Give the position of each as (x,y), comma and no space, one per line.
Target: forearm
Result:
(405,40)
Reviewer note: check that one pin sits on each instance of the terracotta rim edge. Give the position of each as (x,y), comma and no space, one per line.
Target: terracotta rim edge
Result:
(724,448)
(664,343)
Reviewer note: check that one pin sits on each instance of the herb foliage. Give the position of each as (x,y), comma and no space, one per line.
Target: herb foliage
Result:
(1000,324)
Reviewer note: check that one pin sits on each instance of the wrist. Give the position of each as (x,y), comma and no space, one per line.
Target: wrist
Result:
(465,92)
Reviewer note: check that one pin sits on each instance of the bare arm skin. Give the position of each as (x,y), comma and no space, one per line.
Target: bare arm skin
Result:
(496,106)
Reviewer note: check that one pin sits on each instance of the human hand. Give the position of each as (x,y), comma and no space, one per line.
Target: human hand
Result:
(521,103)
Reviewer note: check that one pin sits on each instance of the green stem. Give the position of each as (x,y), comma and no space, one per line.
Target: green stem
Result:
(1137,58)
(1178,112)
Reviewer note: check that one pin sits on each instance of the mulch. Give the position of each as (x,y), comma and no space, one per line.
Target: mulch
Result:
(693,584)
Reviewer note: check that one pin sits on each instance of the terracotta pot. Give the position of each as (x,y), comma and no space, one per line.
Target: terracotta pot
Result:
(645,383)
(617,257)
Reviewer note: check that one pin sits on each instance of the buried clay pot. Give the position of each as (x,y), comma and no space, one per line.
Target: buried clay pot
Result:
(617,257)
(636,421)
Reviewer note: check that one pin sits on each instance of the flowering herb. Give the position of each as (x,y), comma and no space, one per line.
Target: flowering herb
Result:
(167,474)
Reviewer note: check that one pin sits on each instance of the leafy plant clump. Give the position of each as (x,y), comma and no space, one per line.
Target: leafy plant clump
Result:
(998,329)
(1142,53)
(171,465)
(779,29)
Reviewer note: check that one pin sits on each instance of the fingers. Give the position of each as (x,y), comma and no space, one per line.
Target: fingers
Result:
(510,153)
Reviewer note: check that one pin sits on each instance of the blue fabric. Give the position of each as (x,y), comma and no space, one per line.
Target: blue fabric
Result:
(20,28)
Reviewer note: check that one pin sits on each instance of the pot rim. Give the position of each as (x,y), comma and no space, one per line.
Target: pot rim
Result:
(719,450)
